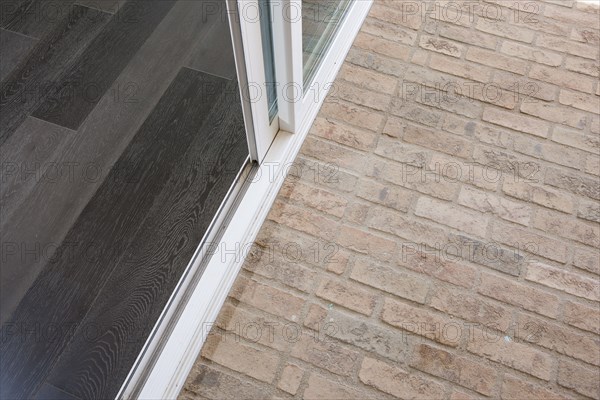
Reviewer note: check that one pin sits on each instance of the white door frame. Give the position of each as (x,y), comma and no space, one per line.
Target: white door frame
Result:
(244,22)
(163,366)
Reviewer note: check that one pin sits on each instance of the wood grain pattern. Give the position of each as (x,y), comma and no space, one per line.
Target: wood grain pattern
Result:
(13,47)
(138,289)
(30,82)
(214,53)
(35,18)
(84,83)
(49,392)
(25,163)
(100,236)
(100,141)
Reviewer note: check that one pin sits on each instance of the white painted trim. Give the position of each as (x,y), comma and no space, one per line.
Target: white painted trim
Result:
(245,27)
(176,358)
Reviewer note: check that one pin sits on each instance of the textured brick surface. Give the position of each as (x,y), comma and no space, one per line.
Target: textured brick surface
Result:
(438,235)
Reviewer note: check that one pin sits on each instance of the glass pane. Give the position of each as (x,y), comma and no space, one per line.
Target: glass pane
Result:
(320,22)
(269,60)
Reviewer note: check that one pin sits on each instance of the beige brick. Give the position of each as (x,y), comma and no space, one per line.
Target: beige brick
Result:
(398,283)
(582,316)
(321,388)
(491,203)
(452,93)
(588,260)
(283,266)
(576,139)
(368,79)
(528,242)
(590,103)
(583,66)
(496,60)
(595,125)
(332,154)
(366,243)
(338,261)
(572,182)
(315,317)
(382,46)
(419,233)
(521,87)
(394,13)
(400,151)
(592,165)
(451,215)
(585,35)
(352,114)
(465,70)
(460,370)
(356,213)
(562,225)
(360,139)
(324,353)
(531,54)
(360,96)
(439,141)
(316,198)
(241,358)
(468,36)
(589,210)
(517,122)
(579,378)
(571,16)
(454,170)
(565,281)
(566,79)
(347,295)
(240,323)
(470,307)
(208,382)
(434,263)
(460,395)
(518,294)
(385,342)
(407,110)
(558,114)
(422,322)
(389,31)
(290,378)
(538,194)
(517,389)
(303,220)
(552,152)
(266,298)
(501,29)
(558,338)
(566,46)
(441,46)
(519,356)
(419,179)
(398,382)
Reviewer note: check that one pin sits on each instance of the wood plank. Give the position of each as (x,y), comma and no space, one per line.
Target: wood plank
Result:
(25,163)
(214,52)
(109,6)
(35,18)
(137,291)
(49,392)
(14,47)
(85,82)
(28,85)
(66,287)
(101,140)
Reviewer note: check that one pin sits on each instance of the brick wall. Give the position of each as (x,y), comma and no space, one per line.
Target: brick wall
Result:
(438,236)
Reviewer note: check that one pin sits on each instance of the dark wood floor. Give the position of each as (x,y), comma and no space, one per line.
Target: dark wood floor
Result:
(122,130)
